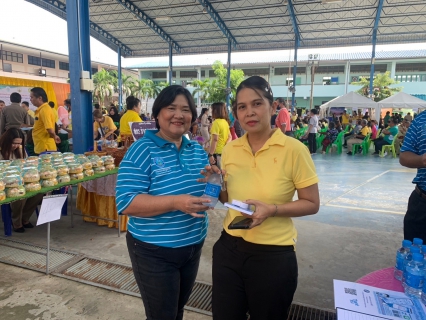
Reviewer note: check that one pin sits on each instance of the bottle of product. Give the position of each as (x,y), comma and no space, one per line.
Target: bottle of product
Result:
(424,292)
(212,190)
(400,257)
(424,251)
(408,258)
(415,276)
(417,242)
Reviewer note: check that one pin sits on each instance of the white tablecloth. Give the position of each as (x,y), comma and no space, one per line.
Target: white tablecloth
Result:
(103,186)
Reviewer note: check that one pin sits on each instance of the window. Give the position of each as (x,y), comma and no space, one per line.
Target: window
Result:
(256,72)
(203,73)
(162,74)
(12,56)
(326,81)
(64,66)
(330,69)
(94,70)
(410,67)
(410,78)
(367,67)
(285,71)
(289,82)
(188,74)
(45,62)
(211,74)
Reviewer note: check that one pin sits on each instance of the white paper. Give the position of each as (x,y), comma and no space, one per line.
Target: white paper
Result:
(246,211)
(343,314)
(51,208)
(377,302)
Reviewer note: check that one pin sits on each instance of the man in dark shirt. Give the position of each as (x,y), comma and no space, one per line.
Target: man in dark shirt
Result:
(13,116)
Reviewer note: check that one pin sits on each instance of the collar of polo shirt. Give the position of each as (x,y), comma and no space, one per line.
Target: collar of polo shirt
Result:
(277,138)
(152,135)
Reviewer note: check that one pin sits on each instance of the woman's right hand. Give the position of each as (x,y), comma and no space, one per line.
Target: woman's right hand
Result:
(190,205)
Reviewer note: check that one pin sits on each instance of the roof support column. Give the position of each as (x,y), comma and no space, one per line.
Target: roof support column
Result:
(78,26)
(228,76)
(373,42)
(120,81)
(347,75)
(170,64)
(293,91)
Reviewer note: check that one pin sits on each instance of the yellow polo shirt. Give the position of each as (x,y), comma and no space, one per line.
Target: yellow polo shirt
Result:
(272,175)
(108,125)
(345,118)
(220,127)
(129,116)
(31,113)
(44,119)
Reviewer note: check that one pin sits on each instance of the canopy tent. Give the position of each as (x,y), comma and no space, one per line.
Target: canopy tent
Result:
(402,100)
(351,100)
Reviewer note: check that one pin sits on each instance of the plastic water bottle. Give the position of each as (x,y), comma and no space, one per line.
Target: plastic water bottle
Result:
(212,190)
(417,242)
(424,292)
(400,257)
(408,258)
(424,251)
(415,276)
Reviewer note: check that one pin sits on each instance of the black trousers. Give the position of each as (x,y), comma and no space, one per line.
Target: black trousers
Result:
(253,278)
(165,276)
(312,141)
(415,218)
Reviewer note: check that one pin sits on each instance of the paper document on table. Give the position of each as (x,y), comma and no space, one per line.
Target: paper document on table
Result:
(343,314)
(377,302)
(51,208)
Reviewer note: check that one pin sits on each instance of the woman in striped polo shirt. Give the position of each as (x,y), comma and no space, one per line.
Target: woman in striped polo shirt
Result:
(157,188)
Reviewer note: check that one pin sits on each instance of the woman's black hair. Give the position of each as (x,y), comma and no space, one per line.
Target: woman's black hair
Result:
(258,84)
(203,111)
(166,98)
(132,102)
(6,141)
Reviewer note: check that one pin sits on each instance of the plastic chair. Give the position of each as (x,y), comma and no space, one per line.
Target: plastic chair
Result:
(390,147)
(338,143)
(364,144)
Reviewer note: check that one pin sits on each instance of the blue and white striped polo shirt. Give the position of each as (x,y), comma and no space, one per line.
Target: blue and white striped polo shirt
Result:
(415,142)
(154,166)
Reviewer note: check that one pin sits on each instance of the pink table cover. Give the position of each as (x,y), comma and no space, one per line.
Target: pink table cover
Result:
(383,279)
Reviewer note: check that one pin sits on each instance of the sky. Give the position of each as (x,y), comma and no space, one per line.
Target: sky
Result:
(26,24)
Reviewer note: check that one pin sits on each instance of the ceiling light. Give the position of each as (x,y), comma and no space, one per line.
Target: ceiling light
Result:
(204,10)
(162,18)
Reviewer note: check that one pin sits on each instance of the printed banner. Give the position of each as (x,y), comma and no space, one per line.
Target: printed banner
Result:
(6,91)
(139,128)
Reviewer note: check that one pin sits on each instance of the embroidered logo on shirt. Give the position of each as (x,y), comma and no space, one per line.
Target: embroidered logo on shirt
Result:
(159,162)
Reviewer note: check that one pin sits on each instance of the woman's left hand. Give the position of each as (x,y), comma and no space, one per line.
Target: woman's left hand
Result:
(261,213)
(208,171)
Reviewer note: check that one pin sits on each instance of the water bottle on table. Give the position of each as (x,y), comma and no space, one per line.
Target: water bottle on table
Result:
(415,276)
(400,257)
(424,292)
(408,258)
(417,242)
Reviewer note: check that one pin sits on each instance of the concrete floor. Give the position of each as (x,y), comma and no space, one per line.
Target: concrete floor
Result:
(356,231)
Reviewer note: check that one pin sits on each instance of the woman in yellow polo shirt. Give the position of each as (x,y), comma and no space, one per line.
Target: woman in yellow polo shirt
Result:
(255,269)
(132,115)
(219,132)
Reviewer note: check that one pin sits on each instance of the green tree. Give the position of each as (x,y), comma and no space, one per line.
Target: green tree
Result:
(381,86)
(202,88)
(218,86)
(104,86)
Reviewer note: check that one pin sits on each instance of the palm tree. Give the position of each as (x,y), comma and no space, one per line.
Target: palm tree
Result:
(127,83)
(104,86)
(141,88)
(202,88)
(381,86)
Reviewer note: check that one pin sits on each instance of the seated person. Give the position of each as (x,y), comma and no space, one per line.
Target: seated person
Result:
(389,134)
(356,129)
(103,125)
(330,136)
(373,129)
(402,131)
(359,137)
(338,126)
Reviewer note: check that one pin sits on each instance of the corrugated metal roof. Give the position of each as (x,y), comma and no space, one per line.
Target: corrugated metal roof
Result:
(147,27)
(270,57)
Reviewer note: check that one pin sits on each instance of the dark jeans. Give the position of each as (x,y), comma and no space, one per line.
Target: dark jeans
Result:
(378,144)
(165,276)
(254,278)
(312,141)
(415,218)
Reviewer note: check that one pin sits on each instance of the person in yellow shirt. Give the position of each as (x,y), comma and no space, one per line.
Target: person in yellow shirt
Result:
(220,134)
(44,136)
(345,119)
(358,138)
(26,106)
(255,269)
(132,115)
(103,125)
